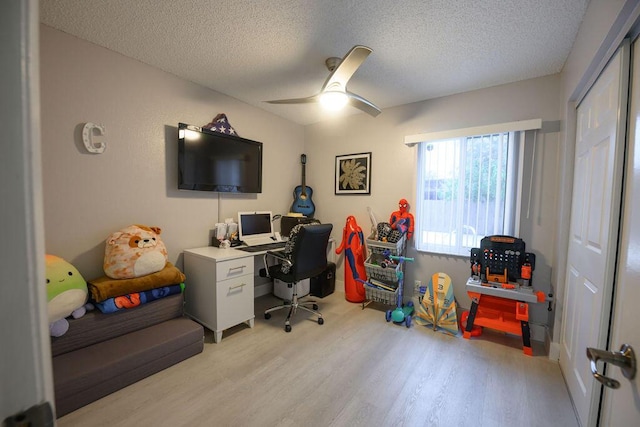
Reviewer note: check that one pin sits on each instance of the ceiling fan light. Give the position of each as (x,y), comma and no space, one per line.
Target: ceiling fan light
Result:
(333,100)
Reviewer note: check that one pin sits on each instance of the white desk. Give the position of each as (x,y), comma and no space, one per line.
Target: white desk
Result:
(219,287)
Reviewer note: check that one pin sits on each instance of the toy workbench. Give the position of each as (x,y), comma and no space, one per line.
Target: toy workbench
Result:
(500,288)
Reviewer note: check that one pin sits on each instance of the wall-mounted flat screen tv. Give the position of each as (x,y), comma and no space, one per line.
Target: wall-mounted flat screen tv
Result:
(212,161)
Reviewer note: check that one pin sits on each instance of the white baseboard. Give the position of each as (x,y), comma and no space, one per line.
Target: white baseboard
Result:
(554,351)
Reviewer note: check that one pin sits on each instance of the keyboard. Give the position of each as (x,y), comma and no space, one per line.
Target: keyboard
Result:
(266,247)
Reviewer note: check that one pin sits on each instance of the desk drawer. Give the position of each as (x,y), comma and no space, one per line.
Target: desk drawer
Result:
(234,268)
(234,301)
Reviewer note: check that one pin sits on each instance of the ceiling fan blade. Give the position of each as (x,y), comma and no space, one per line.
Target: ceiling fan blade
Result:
(362,104)
(337,81)
(348,66)
(307,100)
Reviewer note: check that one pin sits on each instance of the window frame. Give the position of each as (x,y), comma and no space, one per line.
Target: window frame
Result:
(514,183)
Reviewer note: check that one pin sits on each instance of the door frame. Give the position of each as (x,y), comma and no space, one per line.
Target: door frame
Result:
(26,371)
(627,24)
(620,406)
(604,277)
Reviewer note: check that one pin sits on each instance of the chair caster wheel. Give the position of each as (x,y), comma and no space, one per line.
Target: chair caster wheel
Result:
(267,316)
(320,321)
(315,306)
(287,328)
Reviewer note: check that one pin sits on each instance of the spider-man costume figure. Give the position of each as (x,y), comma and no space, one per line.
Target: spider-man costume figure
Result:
(401,219)
(354,271)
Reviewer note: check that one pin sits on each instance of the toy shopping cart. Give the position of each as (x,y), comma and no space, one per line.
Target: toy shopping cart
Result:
(385,285)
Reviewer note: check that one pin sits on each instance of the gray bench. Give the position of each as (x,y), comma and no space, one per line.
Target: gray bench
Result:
(102,353)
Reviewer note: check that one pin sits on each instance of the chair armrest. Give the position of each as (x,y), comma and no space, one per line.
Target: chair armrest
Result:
(277,255)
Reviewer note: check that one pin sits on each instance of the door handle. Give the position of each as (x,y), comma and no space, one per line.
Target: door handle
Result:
(625,359)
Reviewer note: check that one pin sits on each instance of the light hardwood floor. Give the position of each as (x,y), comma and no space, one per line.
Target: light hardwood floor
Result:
(356,369)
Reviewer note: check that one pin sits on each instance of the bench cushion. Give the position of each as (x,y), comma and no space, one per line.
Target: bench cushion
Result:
(95,326)
(90,373)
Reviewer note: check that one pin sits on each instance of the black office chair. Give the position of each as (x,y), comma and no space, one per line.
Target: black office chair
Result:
(304,256)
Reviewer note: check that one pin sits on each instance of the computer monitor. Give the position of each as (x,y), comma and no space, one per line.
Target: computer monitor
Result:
(255,227)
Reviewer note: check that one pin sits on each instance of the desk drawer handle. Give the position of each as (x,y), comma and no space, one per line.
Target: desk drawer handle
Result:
(240,267)
(237,286)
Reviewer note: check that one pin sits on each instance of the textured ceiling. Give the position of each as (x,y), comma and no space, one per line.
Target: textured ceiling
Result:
(259,50)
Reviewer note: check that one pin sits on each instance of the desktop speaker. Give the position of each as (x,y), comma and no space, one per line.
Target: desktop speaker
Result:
(325,283)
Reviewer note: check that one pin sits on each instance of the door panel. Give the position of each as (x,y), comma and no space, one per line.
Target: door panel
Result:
(579,184)
(594,230)
(597,197)
(570,312)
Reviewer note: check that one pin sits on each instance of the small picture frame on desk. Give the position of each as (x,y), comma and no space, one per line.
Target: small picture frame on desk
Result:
(353,174)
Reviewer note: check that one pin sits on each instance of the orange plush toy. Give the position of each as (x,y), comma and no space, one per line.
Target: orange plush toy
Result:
(401,219)
(134,251)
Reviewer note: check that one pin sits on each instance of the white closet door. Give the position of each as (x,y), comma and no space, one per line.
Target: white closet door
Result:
(622,406)
(593,234)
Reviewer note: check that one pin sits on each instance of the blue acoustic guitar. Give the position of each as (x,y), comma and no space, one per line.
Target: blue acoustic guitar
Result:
(302,202)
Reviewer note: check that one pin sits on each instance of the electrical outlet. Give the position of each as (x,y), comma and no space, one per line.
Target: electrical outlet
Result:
(417,284)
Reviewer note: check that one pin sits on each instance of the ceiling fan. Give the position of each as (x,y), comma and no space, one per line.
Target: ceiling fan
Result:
(334,94)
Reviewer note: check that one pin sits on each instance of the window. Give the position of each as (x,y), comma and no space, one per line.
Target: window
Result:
(466,190)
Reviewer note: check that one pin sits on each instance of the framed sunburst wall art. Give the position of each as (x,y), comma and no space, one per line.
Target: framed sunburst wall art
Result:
(353,174)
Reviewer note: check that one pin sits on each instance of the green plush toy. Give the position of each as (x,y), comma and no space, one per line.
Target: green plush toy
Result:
(66,294)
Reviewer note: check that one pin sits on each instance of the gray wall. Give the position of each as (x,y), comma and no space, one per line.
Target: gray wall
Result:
(88,196)
(393,168)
